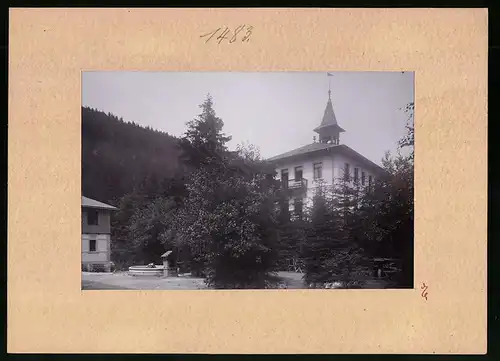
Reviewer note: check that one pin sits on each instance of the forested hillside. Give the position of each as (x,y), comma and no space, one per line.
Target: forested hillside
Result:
(118,156)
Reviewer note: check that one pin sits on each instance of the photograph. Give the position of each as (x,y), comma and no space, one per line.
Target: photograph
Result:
(247,180)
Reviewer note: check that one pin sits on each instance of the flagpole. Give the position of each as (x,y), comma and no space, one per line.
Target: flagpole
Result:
(329,85)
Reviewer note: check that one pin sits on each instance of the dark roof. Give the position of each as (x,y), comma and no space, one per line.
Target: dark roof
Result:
(351,152)
(329,118)
(313,147)
(166,254)
(318,147)
(92,203)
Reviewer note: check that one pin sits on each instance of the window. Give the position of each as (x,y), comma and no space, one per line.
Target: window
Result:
(356,175)
(298,173)
(318,170)
(92,217)
(370,181)
(92,245)
(285,211)
(363,178)
(297,207)
(346,171)
(284,178)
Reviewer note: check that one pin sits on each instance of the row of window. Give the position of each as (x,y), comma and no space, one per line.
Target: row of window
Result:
(347,174)
(318,174)
(298,172)
(297,176)
(92,220)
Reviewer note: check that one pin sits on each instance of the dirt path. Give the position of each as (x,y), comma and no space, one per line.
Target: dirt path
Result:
(93,285)
(121,280)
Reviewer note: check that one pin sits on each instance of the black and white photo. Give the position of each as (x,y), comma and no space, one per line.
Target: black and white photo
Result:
(241,180)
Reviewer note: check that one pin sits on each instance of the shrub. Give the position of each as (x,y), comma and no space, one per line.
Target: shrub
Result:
(99,268)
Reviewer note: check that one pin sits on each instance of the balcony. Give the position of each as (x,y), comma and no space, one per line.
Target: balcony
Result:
(295,186)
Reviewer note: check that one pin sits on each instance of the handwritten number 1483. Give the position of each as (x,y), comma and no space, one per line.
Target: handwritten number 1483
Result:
(230,36)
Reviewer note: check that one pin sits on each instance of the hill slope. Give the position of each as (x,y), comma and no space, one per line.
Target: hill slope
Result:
(117,156)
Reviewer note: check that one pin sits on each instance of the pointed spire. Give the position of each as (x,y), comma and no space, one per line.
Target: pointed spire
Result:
(329,130)
(329,117)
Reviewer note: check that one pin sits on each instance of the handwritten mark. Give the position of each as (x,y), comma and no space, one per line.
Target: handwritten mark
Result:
(424,290)
(229,35)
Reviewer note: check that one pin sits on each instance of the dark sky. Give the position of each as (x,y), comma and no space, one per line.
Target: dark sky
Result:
(274,111)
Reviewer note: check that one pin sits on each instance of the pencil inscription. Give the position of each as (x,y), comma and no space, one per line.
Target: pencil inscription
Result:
(241,33)
(424,288)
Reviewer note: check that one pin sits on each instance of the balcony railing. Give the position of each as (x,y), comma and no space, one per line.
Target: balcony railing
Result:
(293,184)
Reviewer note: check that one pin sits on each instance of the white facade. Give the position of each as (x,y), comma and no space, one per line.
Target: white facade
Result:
(96,234)
(101,248)
(332,168)
(332,157)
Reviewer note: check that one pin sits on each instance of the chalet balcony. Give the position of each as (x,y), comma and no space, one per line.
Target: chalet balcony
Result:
(295,186)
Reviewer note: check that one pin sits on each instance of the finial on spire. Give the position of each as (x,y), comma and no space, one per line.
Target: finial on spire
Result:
(329,85)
